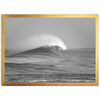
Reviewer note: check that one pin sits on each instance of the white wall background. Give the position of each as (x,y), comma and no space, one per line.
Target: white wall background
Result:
(49,92)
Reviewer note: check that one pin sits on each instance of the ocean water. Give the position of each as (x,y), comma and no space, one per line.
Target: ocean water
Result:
(71,66)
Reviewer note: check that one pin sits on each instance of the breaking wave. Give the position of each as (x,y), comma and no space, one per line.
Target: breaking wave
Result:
(44,50)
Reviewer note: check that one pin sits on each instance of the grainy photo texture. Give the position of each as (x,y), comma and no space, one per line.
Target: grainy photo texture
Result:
(50,50)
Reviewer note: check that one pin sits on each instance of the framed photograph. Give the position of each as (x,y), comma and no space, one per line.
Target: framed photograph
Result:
(50,50)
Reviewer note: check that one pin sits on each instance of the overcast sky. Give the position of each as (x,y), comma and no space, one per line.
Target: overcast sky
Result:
(74,32)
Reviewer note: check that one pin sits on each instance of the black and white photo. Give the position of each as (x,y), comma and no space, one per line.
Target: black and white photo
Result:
(50,50)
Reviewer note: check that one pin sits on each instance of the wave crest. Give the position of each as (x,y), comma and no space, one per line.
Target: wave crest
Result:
(44,50)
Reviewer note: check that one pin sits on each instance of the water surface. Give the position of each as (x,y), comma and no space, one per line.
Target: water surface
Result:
(71,66)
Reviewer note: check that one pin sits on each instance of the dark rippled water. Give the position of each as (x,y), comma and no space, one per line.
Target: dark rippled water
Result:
(72,66)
